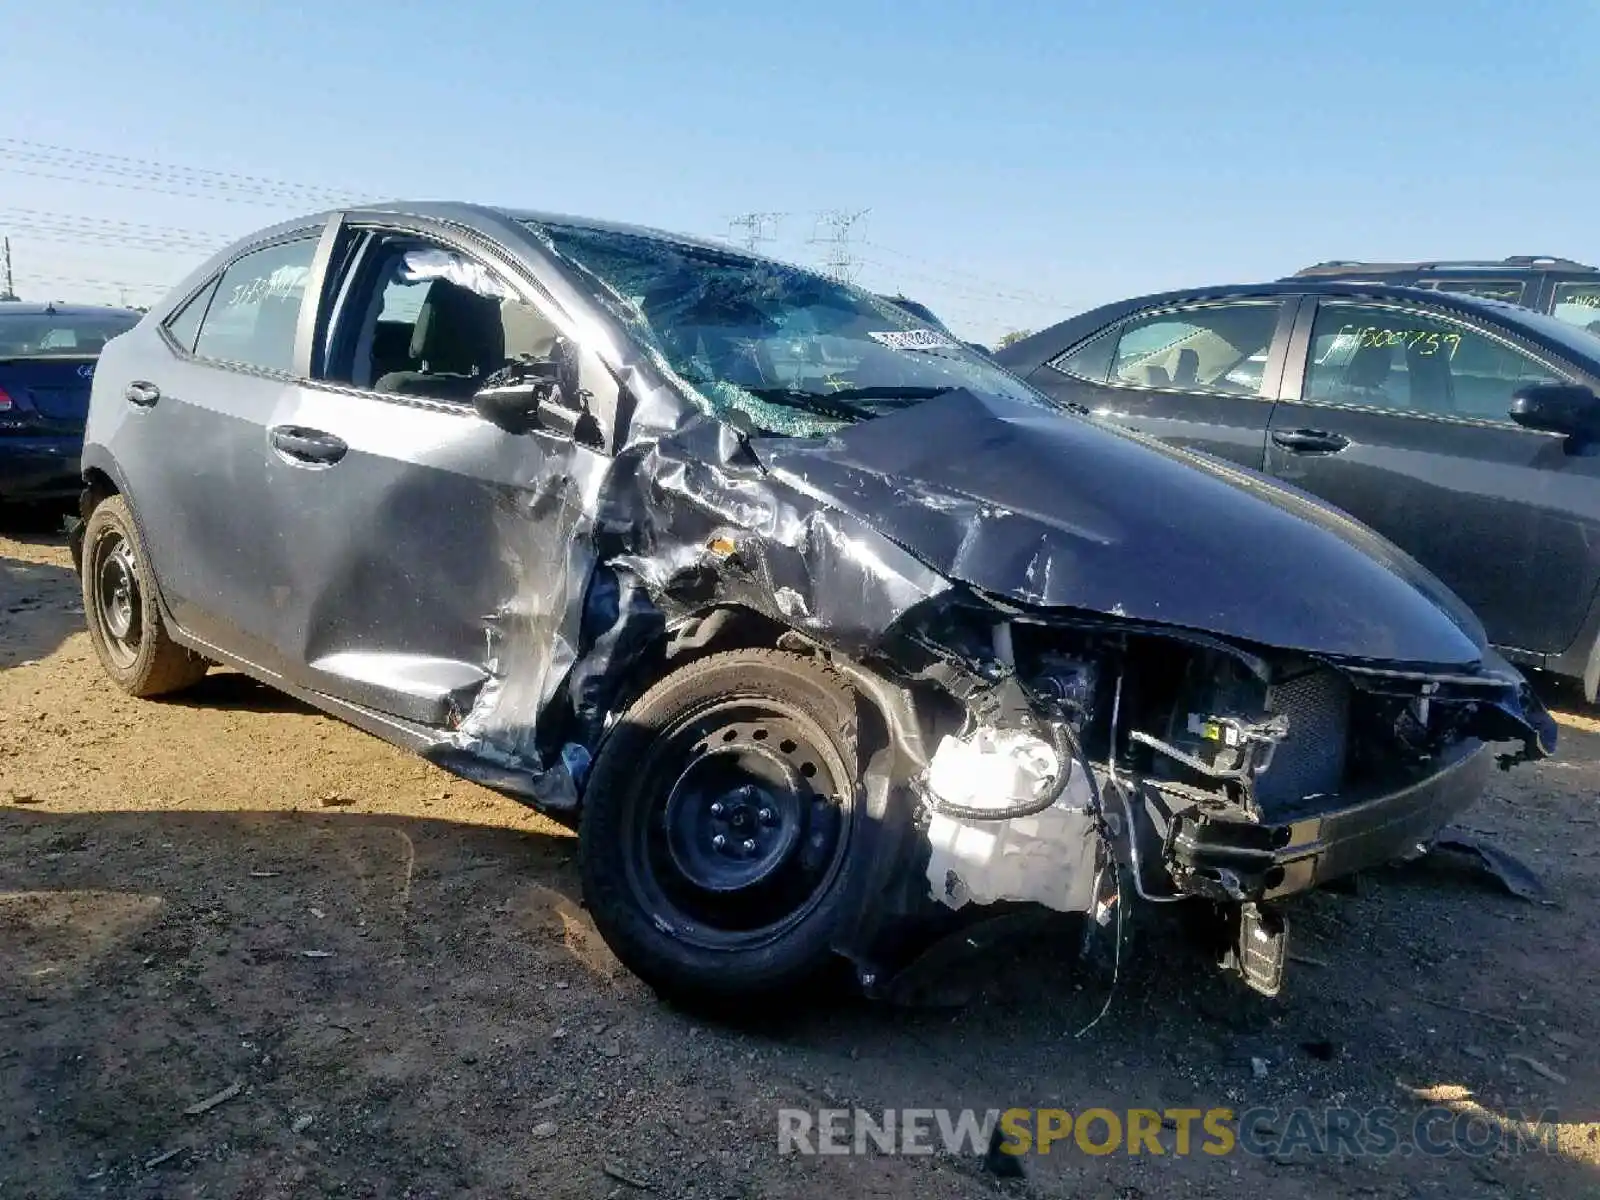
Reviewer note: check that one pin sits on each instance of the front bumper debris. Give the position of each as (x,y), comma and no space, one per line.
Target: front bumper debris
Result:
(1239,861)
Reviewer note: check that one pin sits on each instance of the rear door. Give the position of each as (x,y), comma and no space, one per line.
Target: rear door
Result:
(1397,414)
(194,404)
(1198,375)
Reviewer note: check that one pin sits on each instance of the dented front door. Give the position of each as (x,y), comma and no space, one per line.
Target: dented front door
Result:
(417,541)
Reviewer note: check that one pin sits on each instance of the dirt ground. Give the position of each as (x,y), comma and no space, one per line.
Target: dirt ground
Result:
(387,976)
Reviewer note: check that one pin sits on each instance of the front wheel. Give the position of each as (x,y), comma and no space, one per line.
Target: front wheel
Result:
(119,603)
(717,836)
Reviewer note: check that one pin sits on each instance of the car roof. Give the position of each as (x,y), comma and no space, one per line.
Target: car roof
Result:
(1514,264)
(1047,343)
(35,308)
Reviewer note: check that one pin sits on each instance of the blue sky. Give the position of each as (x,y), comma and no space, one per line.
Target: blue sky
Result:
(1019,160)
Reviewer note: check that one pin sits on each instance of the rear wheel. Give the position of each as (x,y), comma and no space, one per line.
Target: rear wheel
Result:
(716,839)
(120,606)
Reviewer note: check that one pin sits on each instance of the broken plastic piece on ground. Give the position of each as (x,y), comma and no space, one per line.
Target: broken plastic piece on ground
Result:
(1511,873)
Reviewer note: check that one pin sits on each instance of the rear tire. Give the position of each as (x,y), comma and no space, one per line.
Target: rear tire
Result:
(717,836)
(119,604)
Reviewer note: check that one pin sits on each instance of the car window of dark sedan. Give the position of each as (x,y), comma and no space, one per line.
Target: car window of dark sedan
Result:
(1214,348)
(765,344)
(1379,357)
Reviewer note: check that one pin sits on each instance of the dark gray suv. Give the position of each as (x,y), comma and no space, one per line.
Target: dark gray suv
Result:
(831,634)
(1561,287)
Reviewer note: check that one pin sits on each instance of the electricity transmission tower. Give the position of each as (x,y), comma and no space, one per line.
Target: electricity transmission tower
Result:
(751,229)
(833,231)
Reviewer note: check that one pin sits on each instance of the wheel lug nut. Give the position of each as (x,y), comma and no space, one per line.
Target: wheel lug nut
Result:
(719,841)
(766,816)
(716,808)
(749,845)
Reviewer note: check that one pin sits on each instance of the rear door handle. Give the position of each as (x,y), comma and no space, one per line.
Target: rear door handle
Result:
(1310,441)
(307,445)
(142,393)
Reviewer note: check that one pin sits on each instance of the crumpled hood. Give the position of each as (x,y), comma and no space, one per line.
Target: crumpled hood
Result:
(1057,511)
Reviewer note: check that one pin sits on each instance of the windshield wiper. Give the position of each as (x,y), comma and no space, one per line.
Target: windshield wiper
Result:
(845,403)
(881,392)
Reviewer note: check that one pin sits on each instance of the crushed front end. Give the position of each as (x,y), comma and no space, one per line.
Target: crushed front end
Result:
(1070,754)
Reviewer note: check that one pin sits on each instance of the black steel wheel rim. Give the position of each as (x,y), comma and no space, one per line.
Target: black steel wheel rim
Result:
(118,602)
(741,822)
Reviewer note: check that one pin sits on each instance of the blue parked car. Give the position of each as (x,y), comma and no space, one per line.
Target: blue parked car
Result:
(47,359)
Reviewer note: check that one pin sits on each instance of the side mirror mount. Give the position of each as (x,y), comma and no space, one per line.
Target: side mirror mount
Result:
(513,404)
(1566,408)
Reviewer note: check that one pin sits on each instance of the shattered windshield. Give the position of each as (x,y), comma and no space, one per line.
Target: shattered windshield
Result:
(771,346)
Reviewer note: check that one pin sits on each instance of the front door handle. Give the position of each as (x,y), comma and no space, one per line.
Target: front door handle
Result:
(142,393)
(1310,441)
(311,446)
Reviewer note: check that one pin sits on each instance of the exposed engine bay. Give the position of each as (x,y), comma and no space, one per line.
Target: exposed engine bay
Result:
(1065,748)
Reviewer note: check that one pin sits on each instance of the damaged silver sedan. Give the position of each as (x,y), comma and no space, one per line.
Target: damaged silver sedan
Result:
(830,635)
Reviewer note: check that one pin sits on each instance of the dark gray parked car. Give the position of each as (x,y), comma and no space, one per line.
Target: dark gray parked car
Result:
(1464,429)
(834,633)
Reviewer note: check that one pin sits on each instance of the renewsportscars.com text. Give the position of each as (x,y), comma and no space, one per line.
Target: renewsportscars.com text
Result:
(1179,1132)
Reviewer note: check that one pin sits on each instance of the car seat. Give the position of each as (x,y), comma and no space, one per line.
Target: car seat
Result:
(458,340)
(1432,388)
(1187,371)
(1368,373)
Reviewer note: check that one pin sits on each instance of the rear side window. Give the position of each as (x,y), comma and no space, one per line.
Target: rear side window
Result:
(1222,348)
(1414,362)
(1091,360)
(1578,304)
(1509,290)
(255,312)
(185,323)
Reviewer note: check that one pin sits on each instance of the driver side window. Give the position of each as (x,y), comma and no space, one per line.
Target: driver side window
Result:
(421,319)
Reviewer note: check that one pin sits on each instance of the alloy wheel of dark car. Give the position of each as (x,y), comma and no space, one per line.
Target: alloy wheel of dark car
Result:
(717,825)
(120,607)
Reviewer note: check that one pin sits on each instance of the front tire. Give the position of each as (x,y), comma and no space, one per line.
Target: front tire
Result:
(119,604)
(717,840)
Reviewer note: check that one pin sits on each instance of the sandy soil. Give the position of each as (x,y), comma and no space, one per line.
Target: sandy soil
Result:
(388,976)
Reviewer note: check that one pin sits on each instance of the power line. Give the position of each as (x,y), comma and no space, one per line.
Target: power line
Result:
(119,234)
(896,272)
(34,214)
(142,171)
(1000,288)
